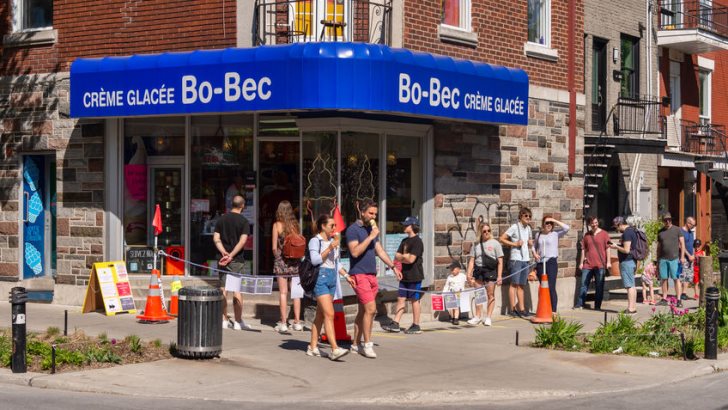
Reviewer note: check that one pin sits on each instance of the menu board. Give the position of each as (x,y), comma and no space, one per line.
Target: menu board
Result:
(139,260)
(392,243)
(108,286)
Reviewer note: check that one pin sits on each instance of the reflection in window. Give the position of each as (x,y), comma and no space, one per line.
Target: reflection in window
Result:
(35,14)
(456,13)
(320,176)
(630,86)
(221,167)
(539,22)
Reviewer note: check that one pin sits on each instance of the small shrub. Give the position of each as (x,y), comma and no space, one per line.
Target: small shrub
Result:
(157,343)
(560,334)
(102,355)
(613,334)
(714,251)
(135,343)
(103,338)
(53,331)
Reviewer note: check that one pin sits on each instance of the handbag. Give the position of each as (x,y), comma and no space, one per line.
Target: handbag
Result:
(308,272)
(490,266)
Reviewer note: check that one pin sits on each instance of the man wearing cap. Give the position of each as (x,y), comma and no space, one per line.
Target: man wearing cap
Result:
(627,264)
(670,249)
(409,254)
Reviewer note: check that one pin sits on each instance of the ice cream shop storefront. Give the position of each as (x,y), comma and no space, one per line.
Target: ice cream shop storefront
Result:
(317,124)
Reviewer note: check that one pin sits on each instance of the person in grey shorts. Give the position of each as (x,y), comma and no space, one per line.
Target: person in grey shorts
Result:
(518,237)
(231,233)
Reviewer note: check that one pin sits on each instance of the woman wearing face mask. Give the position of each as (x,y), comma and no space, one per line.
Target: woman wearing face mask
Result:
(547,252)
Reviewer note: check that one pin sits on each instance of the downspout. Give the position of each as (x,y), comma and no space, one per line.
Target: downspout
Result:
(572,86)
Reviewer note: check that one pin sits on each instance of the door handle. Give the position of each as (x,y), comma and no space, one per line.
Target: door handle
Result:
(25,213)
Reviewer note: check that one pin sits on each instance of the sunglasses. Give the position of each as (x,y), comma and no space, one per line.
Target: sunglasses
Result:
(486,230)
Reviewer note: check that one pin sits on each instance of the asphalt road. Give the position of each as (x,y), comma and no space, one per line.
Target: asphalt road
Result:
(705,393)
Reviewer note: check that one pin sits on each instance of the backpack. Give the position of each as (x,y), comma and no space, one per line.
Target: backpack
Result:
(308,272)
(294,246)
(638,248)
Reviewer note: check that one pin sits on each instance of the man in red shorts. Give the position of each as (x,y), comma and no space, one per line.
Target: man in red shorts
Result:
(363,241)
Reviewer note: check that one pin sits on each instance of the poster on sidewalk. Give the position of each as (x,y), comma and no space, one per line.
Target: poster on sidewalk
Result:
(108,287)
(437,303)
(452,301)
(296,288)
(465,297)
(232,283)
(480,298)
(264,286)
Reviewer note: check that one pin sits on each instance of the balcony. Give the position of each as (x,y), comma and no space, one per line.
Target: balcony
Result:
(693,26)
(704,140)
(638,127)
(296,21)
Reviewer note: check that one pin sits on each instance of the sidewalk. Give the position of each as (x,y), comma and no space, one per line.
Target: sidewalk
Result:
(444,364)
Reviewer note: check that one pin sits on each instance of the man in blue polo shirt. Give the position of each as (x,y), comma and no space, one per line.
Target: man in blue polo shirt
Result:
(685,270)
(362,239)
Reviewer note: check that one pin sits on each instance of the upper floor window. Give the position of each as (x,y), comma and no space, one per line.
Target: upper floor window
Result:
(456,13)
(705,95)
(539,22)
(32,14)
(630,67)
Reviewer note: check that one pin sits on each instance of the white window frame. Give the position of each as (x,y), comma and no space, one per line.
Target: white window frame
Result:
(18,16)
(465,17)
(707,95)
(545,17)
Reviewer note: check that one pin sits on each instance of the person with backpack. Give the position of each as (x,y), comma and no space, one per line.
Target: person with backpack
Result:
(670,252)
(547,253)
(289,246)
(324,252)
(627,261)
(594,262)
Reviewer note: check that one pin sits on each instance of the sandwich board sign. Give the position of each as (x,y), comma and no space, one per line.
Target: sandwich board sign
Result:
(108,286)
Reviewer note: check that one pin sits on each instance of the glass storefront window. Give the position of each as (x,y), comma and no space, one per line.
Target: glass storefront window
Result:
(153,174)
(403,187)
(320,176)
(221,166)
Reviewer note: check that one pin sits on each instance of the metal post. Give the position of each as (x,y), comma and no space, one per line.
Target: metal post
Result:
(516,337)
(682,343)
(605,317)
(18,298)
(65,323)
(712,295)
(53,359)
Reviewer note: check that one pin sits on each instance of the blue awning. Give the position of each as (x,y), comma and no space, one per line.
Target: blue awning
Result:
(301,76)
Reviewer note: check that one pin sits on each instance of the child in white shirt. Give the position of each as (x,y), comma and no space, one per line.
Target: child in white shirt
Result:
(455,283)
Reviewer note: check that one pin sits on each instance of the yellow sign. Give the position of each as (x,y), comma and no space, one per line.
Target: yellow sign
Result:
(109,286)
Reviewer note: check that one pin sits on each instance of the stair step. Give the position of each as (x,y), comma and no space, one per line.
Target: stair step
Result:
(594,175)
(608,146)
(591,185)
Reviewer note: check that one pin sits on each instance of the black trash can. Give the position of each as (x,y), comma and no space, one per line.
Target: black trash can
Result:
(199,325)
(723,258)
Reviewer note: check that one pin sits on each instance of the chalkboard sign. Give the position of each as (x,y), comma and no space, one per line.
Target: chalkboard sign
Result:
(139,260)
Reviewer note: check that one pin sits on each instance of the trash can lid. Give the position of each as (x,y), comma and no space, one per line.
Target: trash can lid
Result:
(200,291)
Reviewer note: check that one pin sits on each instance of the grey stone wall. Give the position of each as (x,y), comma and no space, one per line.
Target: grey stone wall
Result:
(490,172)
(35,113)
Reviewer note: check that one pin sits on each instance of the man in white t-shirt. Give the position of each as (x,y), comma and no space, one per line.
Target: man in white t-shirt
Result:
(518,237)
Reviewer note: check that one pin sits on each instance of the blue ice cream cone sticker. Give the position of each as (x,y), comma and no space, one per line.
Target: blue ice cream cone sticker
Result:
(32,259)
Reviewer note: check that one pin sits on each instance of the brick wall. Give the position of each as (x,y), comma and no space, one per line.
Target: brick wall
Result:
(35,119)
(122,27)
(490,171)
(502,31)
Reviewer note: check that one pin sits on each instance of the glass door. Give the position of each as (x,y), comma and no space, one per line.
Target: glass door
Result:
(166,184)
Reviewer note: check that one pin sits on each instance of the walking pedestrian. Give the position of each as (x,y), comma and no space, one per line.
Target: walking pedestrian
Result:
(231,233)
(363,242)
(485,268)
(324,252)
(593,262)
(547,253)
(409,254)
(286,224)
(685,270)
(518,237)
(627,264)
(670,252)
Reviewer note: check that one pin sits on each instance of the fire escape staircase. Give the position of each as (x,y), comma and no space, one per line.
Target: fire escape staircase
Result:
(708,141)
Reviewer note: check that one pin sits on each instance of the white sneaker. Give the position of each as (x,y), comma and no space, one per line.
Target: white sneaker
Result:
(487,322)
(338,353)
(474,321)
(355,349)
(281,327)
(368,350)
(243,326)
(313,352)
(236,326)
(297,327)
(226,324)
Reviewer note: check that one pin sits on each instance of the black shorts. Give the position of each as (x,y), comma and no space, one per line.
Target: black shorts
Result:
(485,276)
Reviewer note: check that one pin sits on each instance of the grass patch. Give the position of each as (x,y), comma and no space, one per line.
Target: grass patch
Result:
(561,334)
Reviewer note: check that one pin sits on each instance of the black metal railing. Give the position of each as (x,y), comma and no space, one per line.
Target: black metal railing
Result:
(704,139)
(296,21)
(693,14)
(639,116)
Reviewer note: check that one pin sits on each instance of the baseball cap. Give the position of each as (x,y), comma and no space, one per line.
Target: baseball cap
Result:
(454,264)
(619,220)
(666,215)
(411,220)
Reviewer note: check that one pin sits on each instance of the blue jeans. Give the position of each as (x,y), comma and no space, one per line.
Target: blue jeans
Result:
(626,269)
(326,282)
(586,277)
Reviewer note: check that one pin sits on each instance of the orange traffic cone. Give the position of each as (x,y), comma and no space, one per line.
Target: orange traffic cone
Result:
(544,313)
(174,298)
(339,323)
(154,311)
